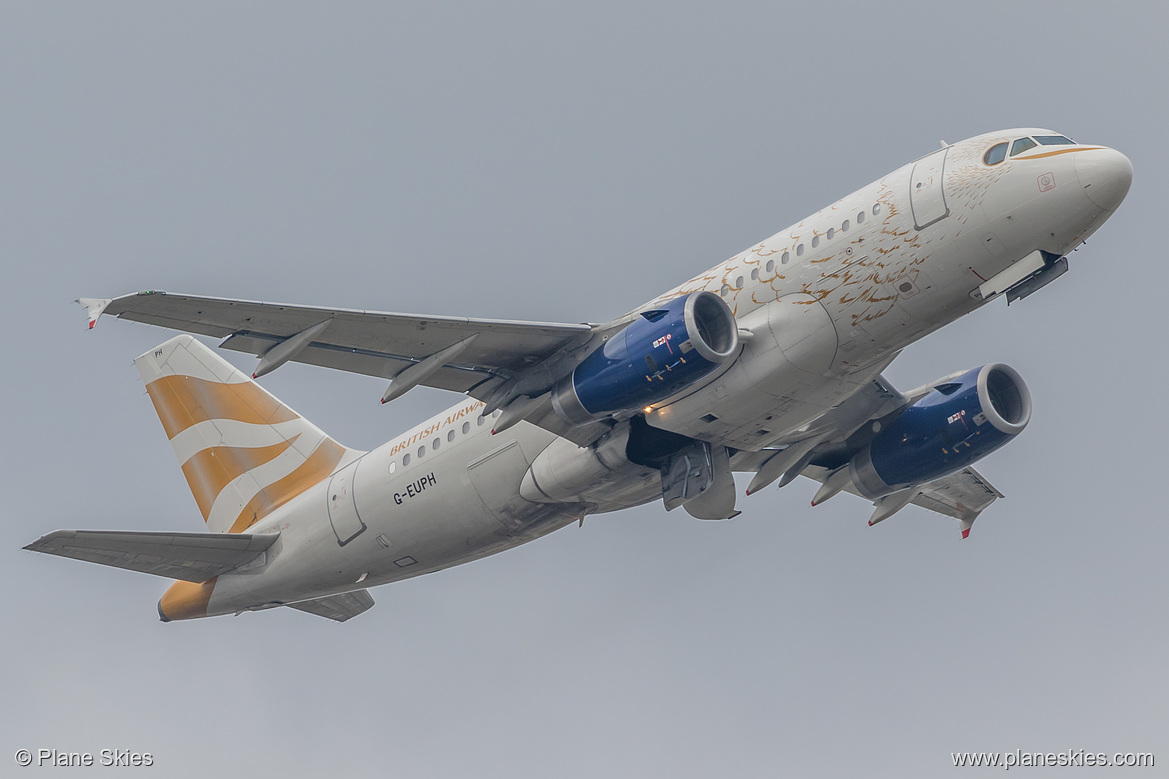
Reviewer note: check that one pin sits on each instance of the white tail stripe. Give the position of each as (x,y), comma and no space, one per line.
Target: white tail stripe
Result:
(230,432)
(218,369)
(240,491)
(184,356)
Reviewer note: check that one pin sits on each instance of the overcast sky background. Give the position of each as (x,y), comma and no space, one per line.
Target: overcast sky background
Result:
(525,161)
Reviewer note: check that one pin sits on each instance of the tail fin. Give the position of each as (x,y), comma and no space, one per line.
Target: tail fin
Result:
(244,453)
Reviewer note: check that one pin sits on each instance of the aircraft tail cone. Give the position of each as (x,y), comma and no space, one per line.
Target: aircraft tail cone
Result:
(185,600)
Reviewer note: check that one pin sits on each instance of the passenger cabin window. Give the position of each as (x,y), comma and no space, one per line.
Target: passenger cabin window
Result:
(995,154)
(1022,145)
(1054,140)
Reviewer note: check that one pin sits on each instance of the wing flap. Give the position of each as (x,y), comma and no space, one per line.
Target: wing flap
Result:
(339,608)
(192,557)
(962,495)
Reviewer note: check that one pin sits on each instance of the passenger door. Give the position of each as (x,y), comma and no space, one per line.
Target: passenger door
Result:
(343,514)
(927,196)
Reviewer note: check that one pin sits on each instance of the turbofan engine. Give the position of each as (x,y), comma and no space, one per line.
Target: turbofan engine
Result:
(966,417)
(661,353)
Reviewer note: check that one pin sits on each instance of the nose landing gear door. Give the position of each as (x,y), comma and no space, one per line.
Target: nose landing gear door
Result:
(927,196)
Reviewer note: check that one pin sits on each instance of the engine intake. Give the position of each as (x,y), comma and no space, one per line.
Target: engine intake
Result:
(661,353)
(966,417)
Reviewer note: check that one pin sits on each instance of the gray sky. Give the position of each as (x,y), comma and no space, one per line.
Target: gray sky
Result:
(518,160)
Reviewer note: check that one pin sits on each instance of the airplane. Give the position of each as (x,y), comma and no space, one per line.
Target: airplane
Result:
(769,363)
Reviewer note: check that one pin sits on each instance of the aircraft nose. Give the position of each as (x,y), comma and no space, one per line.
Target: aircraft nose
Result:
(1105,174)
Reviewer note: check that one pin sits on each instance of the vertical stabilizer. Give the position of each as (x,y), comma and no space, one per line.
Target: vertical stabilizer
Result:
(243,452)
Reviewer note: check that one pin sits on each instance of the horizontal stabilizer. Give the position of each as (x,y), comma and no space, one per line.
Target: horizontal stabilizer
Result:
(192,557)
(337,607)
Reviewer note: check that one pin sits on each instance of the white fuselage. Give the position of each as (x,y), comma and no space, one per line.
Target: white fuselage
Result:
(828,302)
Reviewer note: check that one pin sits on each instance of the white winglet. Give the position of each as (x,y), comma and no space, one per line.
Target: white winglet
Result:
(95,307)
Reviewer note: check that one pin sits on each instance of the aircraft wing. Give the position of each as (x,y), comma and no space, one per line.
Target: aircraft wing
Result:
(192,557)
(831,441)
(962,495)
(374,343)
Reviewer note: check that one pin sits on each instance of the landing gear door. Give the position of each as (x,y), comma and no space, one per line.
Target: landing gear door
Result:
(343,515)
(496,477)
(927,196)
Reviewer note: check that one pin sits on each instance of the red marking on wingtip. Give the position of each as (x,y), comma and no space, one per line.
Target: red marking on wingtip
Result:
(966,533)
(92,322)
(813,503)
(748,492)
(253,375)
(870,523)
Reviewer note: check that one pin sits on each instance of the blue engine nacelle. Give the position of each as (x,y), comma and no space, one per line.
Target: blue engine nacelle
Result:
(662,352)
(965,418)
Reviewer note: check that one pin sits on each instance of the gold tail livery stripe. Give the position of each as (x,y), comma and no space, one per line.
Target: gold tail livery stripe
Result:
(212,469)
(316,468)
(183,401)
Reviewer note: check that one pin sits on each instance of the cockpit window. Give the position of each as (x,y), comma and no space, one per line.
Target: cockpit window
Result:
(995,154)
(1054,140)
(1022,145)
